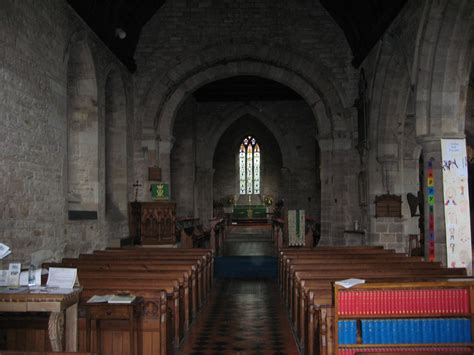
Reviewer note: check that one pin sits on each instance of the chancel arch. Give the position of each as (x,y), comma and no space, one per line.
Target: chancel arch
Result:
(83,136)
(115,147)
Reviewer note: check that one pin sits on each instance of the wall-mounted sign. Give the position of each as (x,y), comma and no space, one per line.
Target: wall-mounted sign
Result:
(388,206)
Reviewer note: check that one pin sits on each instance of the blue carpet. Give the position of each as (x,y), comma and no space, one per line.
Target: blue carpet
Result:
(245,267)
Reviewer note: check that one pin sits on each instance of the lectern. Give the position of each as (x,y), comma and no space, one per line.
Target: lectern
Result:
(152,223)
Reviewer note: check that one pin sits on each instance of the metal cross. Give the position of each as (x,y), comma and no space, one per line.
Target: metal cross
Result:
(136,185)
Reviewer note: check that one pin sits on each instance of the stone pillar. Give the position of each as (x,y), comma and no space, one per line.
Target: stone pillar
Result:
(339,170)
(164,146)
(204,187)
(432,161)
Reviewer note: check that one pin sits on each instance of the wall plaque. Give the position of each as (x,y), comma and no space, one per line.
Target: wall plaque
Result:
(388,206)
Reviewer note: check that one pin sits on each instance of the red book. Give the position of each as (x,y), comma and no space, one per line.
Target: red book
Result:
(465,300)
(340,303)
(356,302)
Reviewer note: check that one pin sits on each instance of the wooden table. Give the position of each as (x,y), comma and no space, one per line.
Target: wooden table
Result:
(95,312)
(61,304)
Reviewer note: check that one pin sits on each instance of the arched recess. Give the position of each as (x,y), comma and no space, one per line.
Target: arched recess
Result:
(225,159)
(115,147)
(83,137)
(227,118)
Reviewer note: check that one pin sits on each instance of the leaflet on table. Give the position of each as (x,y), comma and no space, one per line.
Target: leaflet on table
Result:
(61,277)
(50,290)
(10,277)
(24,278)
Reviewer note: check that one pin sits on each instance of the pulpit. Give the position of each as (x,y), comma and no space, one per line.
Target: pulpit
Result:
(152,223)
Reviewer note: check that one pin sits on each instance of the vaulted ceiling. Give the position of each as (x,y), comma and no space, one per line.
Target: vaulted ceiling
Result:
(363,22)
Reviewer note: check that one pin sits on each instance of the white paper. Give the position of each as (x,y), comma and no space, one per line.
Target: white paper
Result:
(4,277)
(24,278)
(348,283)
(4,250)
(99,299)
(61,277)
(121,299)
(51,290)
(14,270)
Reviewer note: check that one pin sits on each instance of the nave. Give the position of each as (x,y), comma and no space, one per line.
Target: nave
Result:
(243,316)
(245,313)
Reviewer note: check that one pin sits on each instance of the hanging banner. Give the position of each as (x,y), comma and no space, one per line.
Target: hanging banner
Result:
(431,199)
(456,203)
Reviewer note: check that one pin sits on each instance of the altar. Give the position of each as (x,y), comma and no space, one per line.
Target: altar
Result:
(249,212)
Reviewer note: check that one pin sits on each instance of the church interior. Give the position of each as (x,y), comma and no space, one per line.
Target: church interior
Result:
(236,177)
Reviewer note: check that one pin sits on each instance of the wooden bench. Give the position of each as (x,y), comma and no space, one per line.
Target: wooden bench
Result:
(306,284)
(160,268)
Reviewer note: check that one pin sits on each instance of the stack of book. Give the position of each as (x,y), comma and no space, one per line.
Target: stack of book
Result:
(416,331)
(434,350)
(404,302)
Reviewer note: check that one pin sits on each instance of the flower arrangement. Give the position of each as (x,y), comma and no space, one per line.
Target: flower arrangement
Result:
(268,200)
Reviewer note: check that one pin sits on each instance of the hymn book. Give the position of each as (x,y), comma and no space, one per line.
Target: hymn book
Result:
(111,299)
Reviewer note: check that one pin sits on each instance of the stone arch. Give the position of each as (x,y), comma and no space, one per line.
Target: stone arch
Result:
(307,78)
(115,146)
(83,137)
(230,116)
(444,68)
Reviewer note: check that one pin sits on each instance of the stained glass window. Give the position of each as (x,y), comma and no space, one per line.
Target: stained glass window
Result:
(249,166)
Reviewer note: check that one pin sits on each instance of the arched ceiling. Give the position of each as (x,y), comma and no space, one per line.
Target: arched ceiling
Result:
(363,22)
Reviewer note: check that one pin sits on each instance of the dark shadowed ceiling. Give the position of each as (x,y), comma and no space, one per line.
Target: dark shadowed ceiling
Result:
(363,22)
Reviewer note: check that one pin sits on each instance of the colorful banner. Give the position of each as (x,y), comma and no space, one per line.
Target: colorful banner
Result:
(456,203)
(431,199)
(160,191)
(296,228)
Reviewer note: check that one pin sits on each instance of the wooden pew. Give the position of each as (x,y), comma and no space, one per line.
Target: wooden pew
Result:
(316,295)
(168,269)
(205,267)
(130,285)
(205,256)
(155,328)
(407,300)
(121,265)
(314,287)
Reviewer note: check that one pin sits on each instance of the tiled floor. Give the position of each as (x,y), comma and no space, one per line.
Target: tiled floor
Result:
(242,317)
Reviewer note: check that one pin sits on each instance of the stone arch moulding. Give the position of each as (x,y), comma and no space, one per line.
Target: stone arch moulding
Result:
(444,48)
(229,117)
(83,133)
(115,145)
(308,78)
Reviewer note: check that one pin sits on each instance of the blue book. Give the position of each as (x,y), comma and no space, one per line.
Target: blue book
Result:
(365,332)
(417,334)
(353,332)
(342,332)
(378,332)
(448,338)
(370,335)
(437,330)
(467,331)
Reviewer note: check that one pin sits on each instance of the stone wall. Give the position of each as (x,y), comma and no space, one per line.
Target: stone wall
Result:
(38,41)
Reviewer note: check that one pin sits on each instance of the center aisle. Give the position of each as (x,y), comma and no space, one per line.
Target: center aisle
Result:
(242,317)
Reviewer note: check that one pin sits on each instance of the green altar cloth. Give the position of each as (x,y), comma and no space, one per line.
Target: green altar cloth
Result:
(249,212)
